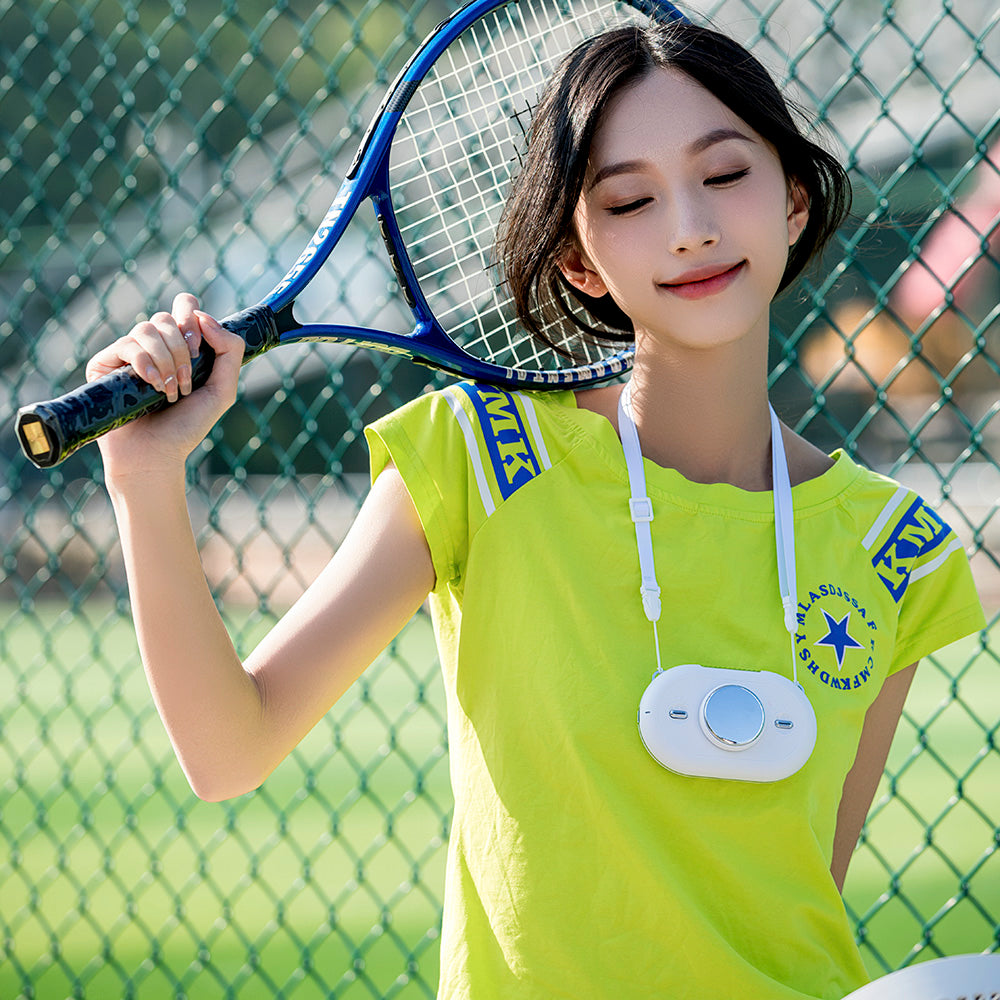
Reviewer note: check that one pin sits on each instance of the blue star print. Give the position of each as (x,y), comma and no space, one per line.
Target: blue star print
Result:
(838,637)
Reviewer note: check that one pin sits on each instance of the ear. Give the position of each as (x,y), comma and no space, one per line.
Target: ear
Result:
(798,210)
(577,269)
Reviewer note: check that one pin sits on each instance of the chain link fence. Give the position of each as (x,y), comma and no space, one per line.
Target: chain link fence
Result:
(154,146)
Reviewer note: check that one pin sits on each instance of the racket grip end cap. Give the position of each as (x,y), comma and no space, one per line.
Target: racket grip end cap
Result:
(39,441)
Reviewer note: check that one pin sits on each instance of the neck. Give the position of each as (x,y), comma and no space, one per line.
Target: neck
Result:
(706,414)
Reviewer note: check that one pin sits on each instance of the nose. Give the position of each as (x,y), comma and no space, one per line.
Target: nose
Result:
(692,225)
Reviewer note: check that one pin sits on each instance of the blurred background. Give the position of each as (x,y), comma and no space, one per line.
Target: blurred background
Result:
(156,146)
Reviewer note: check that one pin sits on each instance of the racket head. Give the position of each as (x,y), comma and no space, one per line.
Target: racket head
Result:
(438,161)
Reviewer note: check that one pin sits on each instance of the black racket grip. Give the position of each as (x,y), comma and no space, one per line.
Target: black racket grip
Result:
(49,432)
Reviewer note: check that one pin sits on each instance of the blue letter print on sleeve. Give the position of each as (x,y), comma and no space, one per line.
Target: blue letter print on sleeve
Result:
(510,451)
(917,533)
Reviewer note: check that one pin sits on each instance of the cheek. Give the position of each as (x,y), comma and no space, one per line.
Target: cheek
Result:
(770,221)
(611,251)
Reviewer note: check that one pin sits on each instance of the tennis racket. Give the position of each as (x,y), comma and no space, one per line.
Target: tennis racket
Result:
(436,163)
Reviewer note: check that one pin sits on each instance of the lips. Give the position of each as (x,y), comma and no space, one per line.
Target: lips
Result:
(702,281)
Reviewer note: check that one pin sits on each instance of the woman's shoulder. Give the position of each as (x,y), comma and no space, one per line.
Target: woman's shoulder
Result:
(805,460)
(602,400)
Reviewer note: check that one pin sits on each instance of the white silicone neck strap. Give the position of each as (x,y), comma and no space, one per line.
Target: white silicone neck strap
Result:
(641,509)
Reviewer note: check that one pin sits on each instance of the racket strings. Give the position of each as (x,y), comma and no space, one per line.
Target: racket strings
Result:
(458,146)
(495,145)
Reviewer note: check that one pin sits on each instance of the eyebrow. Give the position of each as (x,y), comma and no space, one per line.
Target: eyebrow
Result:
(700,145)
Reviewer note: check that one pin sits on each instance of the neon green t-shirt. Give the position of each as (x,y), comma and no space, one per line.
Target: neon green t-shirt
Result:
(578,866)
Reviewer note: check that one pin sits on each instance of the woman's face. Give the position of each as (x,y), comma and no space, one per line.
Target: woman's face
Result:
(686,215)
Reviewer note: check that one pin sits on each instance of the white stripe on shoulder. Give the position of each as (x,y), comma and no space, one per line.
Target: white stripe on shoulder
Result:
(880,522)
(472,447)
(928,568)
(536,431)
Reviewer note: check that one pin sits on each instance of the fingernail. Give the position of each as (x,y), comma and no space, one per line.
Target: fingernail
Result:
(170,388)
(184,378)
(153,377)
(189,340)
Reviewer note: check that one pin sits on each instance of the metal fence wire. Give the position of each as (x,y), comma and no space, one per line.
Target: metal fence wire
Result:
(154,146)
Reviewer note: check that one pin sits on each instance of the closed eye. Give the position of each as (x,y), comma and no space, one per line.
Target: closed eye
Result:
(721,180)
(631,206)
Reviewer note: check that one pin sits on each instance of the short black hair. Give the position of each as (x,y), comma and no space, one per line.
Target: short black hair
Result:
(537,225)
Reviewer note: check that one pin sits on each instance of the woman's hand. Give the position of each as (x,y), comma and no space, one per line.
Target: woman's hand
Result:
(160,350)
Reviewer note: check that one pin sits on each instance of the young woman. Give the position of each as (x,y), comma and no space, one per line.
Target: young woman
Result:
(667,194)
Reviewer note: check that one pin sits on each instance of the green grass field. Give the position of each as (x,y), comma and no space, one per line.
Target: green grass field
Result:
(115,881)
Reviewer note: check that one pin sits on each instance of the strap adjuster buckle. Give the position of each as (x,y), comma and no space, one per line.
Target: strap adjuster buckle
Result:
(650,599)
(641,509)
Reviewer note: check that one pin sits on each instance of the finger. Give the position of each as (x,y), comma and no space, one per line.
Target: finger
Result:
(179,347)
(167,353)
(228,347)
(109,359)
(125,351)
(221,340)
(184,309)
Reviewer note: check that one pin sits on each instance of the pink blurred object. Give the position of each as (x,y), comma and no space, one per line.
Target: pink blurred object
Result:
(948,259)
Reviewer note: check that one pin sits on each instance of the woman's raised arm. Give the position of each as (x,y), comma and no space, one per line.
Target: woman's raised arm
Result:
(230,723)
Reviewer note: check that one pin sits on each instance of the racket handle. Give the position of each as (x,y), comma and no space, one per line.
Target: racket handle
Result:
(51,431)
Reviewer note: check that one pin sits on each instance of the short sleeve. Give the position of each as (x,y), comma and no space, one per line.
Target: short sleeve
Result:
(923,565)
(422,440)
